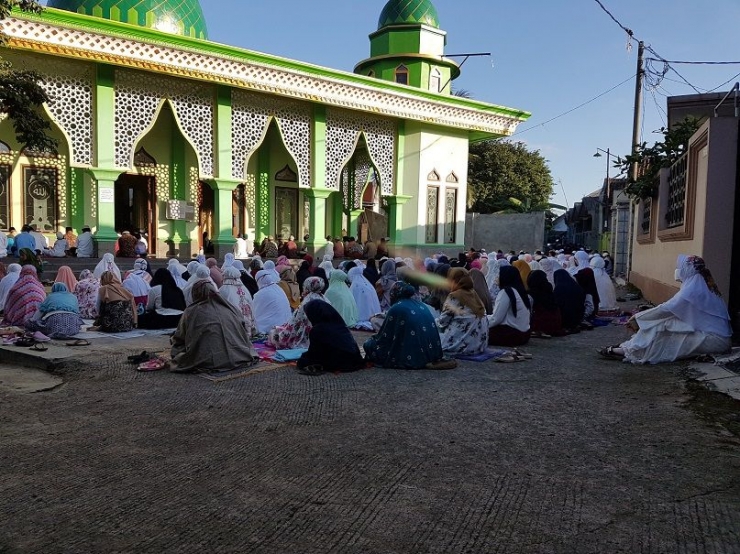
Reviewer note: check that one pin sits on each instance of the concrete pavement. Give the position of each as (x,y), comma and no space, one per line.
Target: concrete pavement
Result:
(565,453)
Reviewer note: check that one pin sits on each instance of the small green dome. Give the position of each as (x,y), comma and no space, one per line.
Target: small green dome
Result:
(408,12)
(179,17)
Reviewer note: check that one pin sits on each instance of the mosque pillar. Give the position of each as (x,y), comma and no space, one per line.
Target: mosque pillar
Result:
(317,201)
(223,191)
(395,217)
(179,241)
(105,234)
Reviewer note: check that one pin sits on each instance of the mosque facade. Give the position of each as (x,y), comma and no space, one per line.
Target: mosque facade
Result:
(162,130)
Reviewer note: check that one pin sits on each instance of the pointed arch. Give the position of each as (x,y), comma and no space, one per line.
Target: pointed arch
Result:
(251,117)
(139,98)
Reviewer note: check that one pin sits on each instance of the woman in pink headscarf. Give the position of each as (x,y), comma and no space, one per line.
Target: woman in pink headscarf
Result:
(216,275)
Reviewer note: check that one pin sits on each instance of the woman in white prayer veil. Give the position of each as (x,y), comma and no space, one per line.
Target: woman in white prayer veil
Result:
(176,269)
(695,321)
(270,306)
(604,284)
(579,261)
(7,282)
(107,263)
(365,296)
(328,267)
(236,294)
(228,261)
(202,273)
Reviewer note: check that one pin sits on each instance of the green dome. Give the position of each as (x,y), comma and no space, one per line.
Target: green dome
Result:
(408,12)
(180,17)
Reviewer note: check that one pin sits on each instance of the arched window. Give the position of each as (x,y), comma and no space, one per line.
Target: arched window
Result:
(4,148)
(435,80)
(402,75)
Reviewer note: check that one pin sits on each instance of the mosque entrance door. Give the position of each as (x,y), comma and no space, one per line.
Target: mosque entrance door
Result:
(135,197)
(286,212)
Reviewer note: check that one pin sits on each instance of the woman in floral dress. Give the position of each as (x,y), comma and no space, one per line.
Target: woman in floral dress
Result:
(294,334)
(463,327)
(86,292)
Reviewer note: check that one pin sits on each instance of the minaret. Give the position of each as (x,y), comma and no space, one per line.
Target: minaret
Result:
(408,48)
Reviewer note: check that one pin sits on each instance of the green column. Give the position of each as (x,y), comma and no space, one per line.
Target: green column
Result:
(77,199)
(395,218)
(223,131)
(178,189)
(106,235)
(317,199)
(337,214)
(105,104)
(223,190)
(263,202)
(318,150)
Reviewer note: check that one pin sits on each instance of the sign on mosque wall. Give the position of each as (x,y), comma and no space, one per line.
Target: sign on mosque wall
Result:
(40,188)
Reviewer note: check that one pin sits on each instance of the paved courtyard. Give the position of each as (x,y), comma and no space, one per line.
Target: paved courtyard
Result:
(564,453)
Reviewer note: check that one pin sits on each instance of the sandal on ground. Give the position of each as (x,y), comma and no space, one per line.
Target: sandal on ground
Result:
(442,364)
(541,336)
(523,355)
(509,359)
(140,358)
(155,364)
(40,347)
(24,342)
(79,342)
(609,353)
(312,370)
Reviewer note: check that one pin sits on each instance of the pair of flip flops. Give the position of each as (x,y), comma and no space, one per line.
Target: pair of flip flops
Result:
(154,364)
(515,355)
(78,342)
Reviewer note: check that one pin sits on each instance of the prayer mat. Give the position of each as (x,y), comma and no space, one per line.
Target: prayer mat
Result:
(489,354)
(221,376)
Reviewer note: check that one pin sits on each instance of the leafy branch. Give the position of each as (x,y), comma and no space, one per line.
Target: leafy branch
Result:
(651,159)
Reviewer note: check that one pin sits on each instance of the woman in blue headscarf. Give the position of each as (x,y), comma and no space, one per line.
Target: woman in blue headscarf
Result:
(408,338)
(58,317)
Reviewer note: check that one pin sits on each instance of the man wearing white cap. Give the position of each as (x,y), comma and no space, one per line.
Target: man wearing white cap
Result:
(85,244)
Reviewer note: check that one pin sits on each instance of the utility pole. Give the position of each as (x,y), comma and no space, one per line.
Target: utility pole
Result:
(637,123)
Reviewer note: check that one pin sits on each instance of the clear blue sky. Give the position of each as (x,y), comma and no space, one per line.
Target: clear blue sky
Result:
(548,56)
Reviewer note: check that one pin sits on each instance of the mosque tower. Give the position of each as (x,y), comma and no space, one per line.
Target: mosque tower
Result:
(179,17)
(408,48)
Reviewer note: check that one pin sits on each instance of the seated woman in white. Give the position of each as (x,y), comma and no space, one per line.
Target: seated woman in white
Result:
(695,321)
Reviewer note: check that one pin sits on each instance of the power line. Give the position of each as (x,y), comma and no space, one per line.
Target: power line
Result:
(658,76)
(576,108)
(679,62)
(725,83)
(661,111)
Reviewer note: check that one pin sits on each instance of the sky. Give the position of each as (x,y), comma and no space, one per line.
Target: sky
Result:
(548,56)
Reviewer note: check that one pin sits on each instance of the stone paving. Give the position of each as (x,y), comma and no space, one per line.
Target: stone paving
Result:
(566,453)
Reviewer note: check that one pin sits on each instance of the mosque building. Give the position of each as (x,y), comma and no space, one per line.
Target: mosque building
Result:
(162,130)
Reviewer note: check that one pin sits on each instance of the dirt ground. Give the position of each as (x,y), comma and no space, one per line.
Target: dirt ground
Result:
(565,453)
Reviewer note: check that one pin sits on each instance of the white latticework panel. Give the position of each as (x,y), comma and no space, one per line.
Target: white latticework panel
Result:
(249,120)
(69,86)
(138,97)
(254,75)
(343,130)
(251,115)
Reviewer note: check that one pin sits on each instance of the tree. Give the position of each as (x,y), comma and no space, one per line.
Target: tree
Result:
(650,159)
(21,94)
(505,175)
